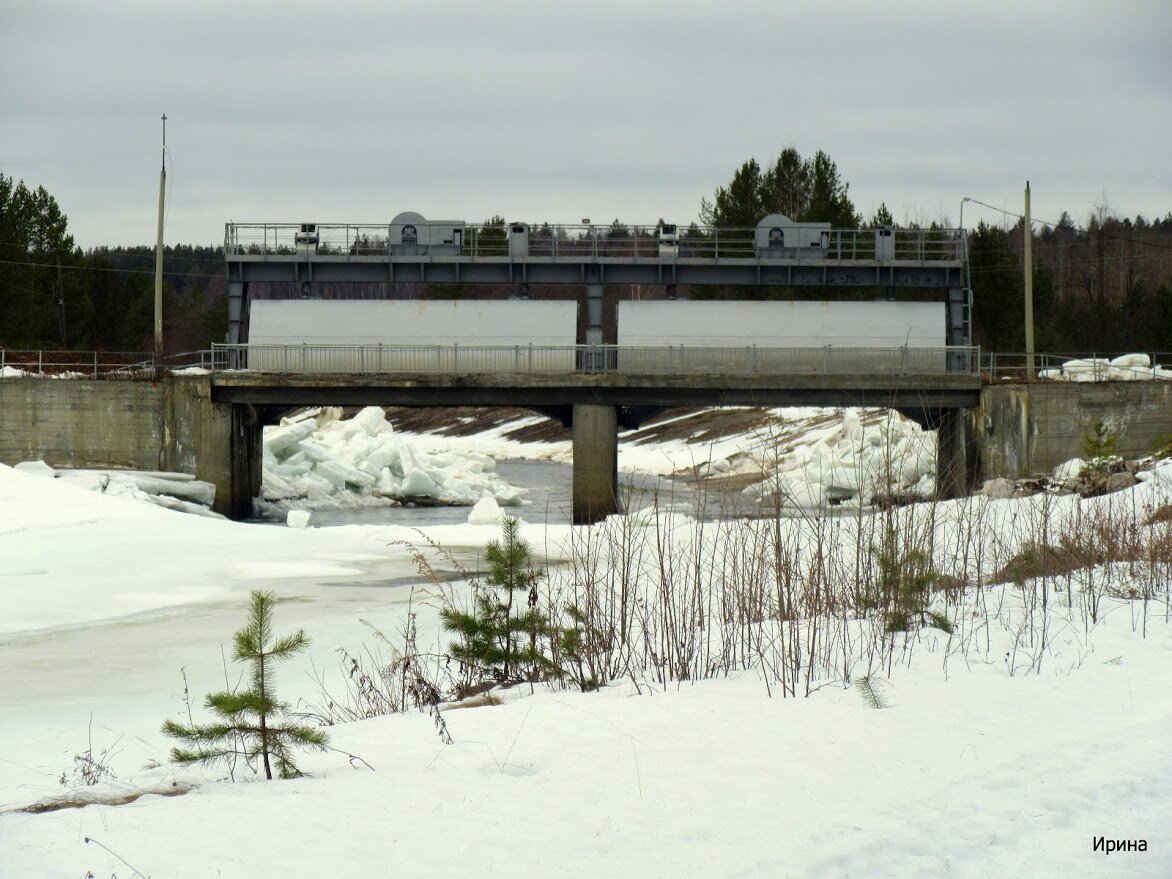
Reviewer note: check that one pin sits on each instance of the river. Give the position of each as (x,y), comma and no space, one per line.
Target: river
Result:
(549,492)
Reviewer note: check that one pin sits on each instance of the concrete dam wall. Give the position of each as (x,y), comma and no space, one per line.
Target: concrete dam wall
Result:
(173,424)
(1029,429)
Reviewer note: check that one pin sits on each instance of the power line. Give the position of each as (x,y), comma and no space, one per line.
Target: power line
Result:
(38,265)
(1054,226)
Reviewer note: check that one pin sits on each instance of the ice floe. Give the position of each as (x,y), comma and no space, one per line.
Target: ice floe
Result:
(317,460)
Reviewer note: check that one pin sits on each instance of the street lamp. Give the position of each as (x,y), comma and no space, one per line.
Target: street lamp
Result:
(964,238)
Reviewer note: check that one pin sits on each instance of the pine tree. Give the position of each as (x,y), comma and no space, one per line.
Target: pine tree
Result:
(904,587)
(829,196)
(252,723)
(496,637)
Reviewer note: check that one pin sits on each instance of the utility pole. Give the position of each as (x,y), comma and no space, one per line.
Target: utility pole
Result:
(1028,231)
(159,259)
(60,305)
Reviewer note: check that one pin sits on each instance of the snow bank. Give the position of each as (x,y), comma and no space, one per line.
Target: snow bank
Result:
(1126,367)
(321,461)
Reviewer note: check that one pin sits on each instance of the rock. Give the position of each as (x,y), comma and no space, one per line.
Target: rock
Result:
(1069,470)
(1120,481)
(998,489)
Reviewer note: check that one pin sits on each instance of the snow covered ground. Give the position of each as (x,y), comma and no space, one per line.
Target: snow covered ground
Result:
(994,756)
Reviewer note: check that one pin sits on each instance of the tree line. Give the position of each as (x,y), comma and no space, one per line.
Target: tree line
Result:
(1104,286)
(55,295)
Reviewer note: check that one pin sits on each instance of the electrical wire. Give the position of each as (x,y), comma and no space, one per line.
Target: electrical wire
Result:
(1055,226)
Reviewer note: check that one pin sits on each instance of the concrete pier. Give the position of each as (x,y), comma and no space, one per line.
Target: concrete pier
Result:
(596,463)
(954,475)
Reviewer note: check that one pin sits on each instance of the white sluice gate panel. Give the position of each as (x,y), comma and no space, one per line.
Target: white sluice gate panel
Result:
(788,325)
(426,334)
(783,324)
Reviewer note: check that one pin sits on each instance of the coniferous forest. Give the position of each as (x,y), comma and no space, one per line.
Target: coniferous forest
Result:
(1101,283)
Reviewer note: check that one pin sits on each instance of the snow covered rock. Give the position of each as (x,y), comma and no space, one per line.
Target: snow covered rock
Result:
(998,489)
(1069,470)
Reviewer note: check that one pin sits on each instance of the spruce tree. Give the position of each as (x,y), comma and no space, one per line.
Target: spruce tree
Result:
(251,723)
(496,637)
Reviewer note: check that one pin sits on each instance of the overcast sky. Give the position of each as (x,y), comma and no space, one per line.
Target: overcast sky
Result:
(553,110)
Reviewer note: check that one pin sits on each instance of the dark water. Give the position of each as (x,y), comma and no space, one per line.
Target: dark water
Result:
(549,493)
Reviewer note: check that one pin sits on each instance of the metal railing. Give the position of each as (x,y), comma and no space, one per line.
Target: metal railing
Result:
(15,363)
(546,241)
(1003,366)
(635,360)
(993,366)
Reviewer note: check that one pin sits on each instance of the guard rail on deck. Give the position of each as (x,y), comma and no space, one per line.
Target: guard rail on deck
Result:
(670,360)
(15,363)
(339,240)
(634,360)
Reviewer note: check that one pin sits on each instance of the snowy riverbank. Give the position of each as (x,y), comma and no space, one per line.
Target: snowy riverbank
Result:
(1006,749)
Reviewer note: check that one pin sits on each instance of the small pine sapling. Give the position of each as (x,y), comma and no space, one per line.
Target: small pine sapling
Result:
(1101,451)
(905,583)
(251,723)
(578,648)
(496,637)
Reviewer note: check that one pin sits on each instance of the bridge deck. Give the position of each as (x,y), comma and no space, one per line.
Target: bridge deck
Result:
(541,390)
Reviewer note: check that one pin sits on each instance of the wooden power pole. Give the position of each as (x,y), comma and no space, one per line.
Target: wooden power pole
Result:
(159,258)
(1028,232)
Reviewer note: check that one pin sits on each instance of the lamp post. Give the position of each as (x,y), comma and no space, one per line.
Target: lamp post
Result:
(963,237)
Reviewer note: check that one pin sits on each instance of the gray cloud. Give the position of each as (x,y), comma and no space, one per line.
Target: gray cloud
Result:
(356,111)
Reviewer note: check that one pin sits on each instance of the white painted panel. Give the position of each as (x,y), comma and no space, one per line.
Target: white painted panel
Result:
(783,324)
(434,323)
